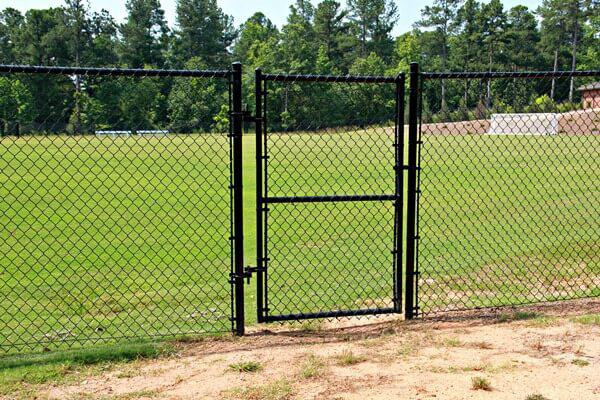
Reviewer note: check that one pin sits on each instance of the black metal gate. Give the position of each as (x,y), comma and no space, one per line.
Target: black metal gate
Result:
(329,155)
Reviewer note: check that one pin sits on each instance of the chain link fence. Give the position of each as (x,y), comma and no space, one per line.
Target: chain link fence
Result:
(509,202)
(115,213)
(331,200)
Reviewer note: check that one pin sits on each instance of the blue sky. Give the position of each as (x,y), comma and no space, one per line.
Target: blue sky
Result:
(276,10)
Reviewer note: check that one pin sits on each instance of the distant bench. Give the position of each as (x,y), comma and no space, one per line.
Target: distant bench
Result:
(129,133)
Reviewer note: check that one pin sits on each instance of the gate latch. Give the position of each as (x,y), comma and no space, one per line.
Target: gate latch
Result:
(249,270)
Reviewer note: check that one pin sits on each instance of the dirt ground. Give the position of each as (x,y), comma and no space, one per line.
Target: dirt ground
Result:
(542,352)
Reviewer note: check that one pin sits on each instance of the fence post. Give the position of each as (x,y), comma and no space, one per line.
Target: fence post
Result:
(260,262)
(238,205)
(411,210)
(399,194)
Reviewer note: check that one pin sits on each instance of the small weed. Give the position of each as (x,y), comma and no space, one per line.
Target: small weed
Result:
(347,357)
(276,390)
(480,383)
(311,325)
(590,319)
(536,397)
(452,342)
(312,367)
(580,362)
(518,316)
(406,350)
(542,321)
(246,366)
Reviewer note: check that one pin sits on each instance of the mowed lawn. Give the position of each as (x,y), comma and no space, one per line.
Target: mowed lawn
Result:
(103,238)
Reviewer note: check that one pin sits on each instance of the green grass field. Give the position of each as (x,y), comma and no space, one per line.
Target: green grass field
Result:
(104,238)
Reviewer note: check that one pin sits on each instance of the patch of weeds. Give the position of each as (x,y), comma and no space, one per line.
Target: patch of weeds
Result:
(580,362)
(518,316)
(590,319)
(347,357)
(481,383)
(452,342)
(246,366)
(406,350)
(312,367)
(536,397)
(276,390)
(19,373)
(542,321)
(311,325)
(137,395)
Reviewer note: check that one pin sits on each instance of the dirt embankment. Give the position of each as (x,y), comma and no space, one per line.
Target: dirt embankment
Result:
(547,351)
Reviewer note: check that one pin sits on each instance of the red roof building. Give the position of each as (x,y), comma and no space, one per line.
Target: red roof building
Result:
(590,95)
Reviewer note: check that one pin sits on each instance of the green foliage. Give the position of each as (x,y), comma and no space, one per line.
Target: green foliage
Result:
(196,104)
(246,366)
(329,37)
(480,383)
(144,34)
(204,32)
(16,105)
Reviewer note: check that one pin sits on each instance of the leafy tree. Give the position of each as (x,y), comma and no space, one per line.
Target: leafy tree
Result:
(203,31)
(11,24)
(195,104)
(15,105)
(42,38)
(103,30)
(257,29)
(144,34)
(298,45)
(407,50)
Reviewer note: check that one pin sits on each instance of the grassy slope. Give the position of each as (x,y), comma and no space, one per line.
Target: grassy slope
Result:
(72,256)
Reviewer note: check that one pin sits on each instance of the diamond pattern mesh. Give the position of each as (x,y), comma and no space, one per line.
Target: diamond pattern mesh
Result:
(114,223)
(329,256)
(509,203)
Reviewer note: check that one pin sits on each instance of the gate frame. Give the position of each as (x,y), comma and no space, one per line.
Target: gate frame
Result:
(262,202)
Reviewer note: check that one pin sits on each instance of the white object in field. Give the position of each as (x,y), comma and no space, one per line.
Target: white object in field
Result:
(524,124)
(129,133)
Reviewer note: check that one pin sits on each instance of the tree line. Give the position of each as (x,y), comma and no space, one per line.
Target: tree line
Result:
(452,35)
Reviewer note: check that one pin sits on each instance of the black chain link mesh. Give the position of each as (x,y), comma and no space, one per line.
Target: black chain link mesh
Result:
(114,207)
(327,139)
(510,200)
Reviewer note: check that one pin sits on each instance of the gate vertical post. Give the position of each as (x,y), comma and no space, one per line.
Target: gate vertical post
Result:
(411,210)
(398,192)
(238,204)
(260,262)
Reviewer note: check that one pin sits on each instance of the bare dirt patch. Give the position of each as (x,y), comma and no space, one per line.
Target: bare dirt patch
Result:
(542,350)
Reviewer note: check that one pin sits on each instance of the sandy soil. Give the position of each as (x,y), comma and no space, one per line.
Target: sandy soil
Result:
(519,355)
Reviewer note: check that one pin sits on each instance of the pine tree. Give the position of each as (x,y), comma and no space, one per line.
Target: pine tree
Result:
(144,34)
(204,31)
(440,16)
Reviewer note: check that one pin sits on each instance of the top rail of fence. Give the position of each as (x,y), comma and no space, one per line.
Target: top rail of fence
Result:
(332,78)
(92,71)
(517,74)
